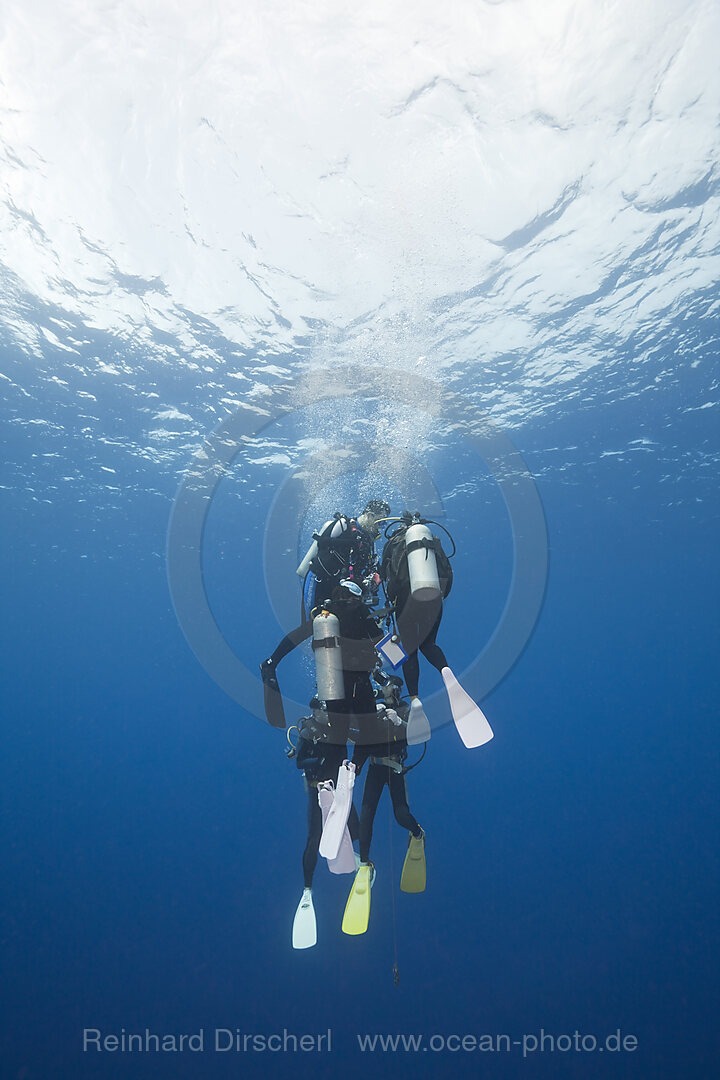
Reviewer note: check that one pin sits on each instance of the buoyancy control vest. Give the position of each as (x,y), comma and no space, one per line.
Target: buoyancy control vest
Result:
(343,550)
(407,564)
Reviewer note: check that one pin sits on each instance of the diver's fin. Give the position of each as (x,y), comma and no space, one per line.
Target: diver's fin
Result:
(418,727)
(344,862)
(357,909)
(334,828)
(274,711)
(469,718)
(413,875)
(326,797)
(304,931)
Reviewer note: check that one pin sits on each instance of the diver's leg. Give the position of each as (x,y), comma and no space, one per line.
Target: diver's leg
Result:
(409,617)
(363,702)
(360,756)
(429,647)
(314,819)
(334,757)
(411,673)
(374,783)
(353,824)
(401,809)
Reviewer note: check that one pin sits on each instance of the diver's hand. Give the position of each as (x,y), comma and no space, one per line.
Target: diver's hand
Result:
(269,678)
(267,671)
(274,712)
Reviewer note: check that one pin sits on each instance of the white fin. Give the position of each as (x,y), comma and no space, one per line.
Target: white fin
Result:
(418,727)
(469,718)
(304,931)
(336,820)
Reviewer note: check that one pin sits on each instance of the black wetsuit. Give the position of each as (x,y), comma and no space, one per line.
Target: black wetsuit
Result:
(418,622)
(357,625)
(358,634)
(377,777)
(390,744)
(348,555)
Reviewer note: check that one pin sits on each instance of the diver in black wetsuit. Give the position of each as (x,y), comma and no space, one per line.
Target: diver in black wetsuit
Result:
(386,754)
(358,633)
(418,621)
(418,577)
(319,754)
(344,552)
(382,771)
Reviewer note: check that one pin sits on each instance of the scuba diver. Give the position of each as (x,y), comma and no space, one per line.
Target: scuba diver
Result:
(386,760)
(344,633)
(417,576)
(341,556)
(344,548)
(320,757)
(358,701)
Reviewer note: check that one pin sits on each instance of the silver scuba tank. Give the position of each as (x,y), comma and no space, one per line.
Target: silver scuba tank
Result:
(328,657)
(310,554)
(338,528)
(422,564)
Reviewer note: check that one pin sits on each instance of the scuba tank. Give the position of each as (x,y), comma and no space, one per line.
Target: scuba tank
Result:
(311,553)
(328,657)
(341,549)
(422,563)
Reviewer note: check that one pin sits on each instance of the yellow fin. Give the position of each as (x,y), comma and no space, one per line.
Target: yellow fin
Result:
(413,875)
(357,909)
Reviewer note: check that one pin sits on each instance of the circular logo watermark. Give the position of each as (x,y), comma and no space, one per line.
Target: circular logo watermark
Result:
(214,461)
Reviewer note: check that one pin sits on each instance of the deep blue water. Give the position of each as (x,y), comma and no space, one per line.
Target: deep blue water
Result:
(155,831)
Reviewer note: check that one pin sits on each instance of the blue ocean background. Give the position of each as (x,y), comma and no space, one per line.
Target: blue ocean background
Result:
(203,207)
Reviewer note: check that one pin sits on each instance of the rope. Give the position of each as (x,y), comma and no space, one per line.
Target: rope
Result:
(395,968)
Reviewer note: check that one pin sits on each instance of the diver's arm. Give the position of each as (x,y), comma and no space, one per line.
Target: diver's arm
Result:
(273,700)
(374,632)
(289,642)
